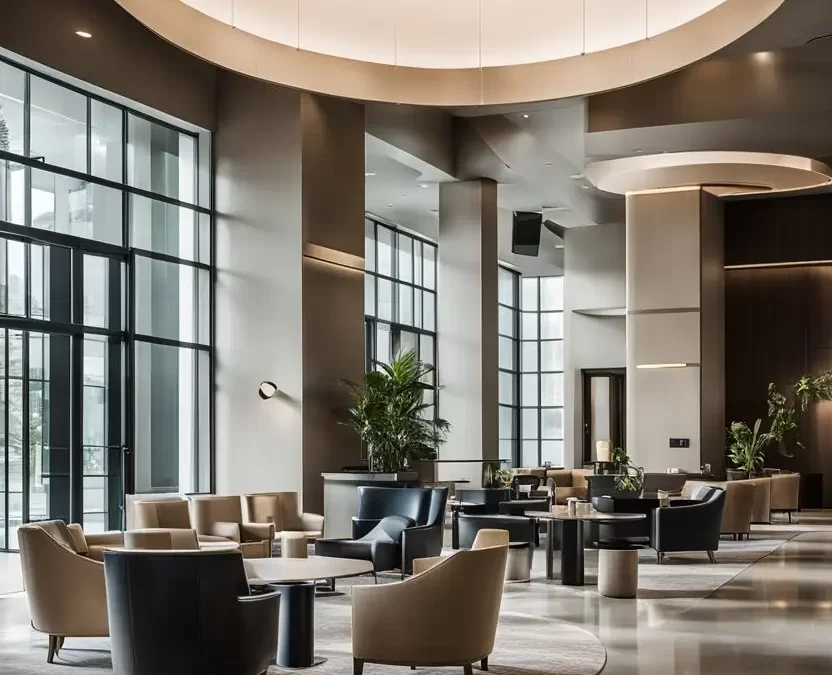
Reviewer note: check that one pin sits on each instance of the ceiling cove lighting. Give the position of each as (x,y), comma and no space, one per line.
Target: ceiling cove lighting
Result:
(84,34)
(795,263)
(661,366)
(367,174)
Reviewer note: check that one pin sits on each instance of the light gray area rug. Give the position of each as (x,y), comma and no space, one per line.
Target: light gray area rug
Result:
(526,645)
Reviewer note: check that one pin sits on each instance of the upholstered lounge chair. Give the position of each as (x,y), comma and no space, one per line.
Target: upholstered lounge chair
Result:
(281,508)
(222,516)
(64,587)
(417,622)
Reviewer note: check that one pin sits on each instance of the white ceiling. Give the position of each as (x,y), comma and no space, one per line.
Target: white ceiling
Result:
(454,33)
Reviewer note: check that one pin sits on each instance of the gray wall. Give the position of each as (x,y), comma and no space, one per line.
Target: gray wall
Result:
(594,278)
(258,287)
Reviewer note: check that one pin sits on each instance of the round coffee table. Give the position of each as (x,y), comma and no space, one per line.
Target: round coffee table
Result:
(572,540)
(295,579)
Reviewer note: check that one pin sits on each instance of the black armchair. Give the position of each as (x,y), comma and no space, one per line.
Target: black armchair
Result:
(520,528)
(424,506)
(177,612)
(691,527)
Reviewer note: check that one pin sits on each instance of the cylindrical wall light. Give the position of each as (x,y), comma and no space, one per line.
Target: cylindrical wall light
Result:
(267,390)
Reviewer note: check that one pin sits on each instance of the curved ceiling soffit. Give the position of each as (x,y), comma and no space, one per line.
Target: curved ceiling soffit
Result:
(723,172)
(236,50)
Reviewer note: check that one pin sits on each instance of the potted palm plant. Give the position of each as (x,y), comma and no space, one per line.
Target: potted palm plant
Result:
(390,414)
(746,449)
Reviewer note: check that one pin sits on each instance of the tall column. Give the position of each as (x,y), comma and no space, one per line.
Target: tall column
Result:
(675,329)
(467,315)
(289,302)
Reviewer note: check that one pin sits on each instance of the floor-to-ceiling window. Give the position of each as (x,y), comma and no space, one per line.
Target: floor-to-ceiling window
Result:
(105,304)
(509,363)
(541,366)
(400,296)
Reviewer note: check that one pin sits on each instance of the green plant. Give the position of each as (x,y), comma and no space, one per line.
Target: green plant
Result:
(505,475)
(388,412)
(784,411)
(619,456)
(632,480)
(747,447)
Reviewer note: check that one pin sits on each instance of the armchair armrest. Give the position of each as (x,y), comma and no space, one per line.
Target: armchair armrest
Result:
(361,526)
(111,538)
(312,522)
(259,597)
(227,530)
(257,532)
(424,564)
(684,502)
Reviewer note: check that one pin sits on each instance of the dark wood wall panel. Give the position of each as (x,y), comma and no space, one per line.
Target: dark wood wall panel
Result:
(774,334)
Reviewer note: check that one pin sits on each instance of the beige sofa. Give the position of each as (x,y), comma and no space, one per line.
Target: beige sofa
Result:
(566,483)
(64,587)
(739,504)
(222,516)
(281,509)
(161,540)
(785,493)
(417,622)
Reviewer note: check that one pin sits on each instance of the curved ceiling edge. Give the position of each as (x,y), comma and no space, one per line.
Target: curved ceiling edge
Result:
(629,64)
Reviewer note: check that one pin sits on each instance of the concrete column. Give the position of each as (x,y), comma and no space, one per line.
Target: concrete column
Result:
(290,287)
(675,329)
(467,315)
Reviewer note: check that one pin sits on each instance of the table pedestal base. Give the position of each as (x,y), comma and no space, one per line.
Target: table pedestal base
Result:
(296,627)
(572,553)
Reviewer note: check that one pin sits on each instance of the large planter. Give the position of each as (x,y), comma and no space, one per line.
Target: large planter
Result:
(341,495)
(736,474)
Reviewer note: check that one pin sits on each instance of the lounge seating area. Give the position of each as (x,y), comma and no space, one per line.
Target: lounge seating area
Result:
(375,337)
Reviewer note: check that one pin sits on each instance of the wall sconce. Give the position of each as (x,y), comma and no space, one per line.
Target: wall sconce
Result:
(267,390)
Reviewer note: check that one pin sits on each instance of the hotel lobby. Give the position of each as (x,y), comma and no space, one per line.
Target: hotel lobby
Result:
(367,337)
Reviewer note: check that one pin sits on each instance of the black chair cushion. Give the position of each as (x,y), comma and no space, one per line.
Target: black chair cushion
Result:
(385,555)
(389,529)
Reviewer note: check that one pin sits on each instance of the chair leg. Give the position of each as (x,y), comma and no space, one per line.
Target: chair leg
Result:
(412,667)
(468,669)
(659,557)
(790,517)
(375,577)
(711,557)
(357,666)
(60,644)
(484,664)
(53,643)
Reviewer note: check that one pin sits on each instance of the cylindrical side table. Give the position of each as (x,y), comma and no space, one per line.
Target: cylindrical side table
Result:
(293,545)
(618,572)
(519,561)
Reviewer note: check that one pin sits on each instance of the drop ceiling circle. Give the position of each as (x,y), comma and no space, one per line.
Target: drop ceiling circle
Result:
(721,172)
(452,52)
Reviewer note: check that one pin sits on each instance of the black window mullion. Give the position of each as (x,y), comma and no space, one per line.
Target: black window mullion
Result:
(26,476)
(89,135)
(6,435)
(76,397)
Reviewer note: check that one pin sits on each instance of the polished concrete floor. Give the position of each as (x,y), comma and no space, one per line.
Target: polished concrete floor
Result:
(773,617)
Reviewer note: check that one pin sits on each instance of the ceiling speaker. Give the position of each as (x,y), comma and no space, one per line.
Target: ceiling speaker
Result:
(525,233)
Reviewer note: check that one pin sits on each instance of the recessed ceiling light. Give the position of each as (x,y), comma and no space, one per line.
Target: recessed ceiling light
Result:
(424,185)
(369,173)
(585,187)
(390,206)
(577,176)
(83,34)
(548,163)
(525,117)
(434,210)
(637,150)
(763,57)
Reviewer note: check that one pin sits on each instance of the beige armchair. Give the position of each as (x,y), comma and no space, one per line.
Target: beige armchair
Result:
(171,514)
(762,500)
(785,493)
(64,588)
(223,517)
(281,508)
(93,544)
(161,539)
(566,483)
(416,622)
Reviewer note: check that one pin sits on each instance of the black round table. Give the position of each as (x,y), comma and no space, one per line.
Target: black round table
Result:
(572,540)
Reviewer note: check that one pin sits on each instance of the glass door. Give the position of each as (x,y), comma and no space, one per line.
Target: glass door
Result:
(61,381)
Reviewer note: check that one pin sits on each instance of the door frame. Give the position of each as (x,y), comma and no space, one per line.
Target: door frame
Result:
(618,423)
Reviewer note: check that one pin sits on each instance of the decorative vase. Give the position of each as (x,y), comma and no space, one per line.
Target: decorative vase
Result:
(736,474)
(603,451)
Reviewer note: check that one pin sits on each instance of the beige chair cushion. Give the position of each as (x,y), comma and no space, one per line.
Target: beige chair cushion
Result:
(489,537)
(208,510)
(172,514)
(58,530)
(579,478)
(265,508)
(561,477)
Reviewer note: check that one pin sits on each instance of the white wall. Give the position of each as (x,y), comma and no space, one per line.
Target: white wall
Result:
(258,290)
(594,278)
